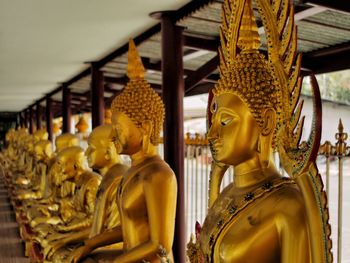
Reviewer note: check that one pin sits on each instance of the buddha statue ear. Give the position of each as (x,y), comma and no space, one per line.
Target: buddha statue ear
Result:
(108,154)
(269,121)
(146,129)
(266,136)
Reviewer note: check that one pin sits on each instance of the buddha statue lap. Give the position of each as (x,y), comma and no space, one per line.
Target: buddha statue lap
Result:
(146,196)
(262,216)
(102,156)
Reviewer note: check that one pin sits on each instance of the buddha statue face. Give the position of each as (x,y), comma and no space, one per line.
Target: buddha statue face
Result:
(234,133)
(126,137)
(43,150)
(101,150)
(71,162)
(40,135)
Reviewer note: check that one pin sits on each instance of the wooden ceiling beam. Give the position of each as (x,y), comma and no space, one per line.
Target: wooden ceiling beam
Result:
(204,71)
(202,43)
(200,88)
(328,59)
(340,5)
(121,80)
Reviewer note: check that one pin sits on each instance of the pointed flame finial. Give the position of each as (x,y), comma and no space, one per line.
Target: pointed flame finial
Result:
(340,126)
(135,66)
(249,38)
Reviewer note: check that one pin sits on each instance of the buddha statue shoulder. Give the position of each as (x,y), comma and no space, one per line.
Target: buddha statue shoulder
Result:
(146,196)
(262,216)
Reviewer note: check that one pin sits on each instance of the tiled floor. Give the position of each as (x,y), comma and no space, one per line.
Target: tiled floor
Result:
(11,247)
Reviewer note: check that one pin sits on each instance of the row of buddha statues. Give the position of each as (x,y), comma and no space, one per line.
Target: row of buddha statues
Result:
(88,206)
(70,202)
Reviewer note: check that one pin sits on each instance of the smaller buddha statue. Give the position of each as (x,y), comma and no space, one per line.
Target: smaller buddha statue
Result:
(43,208)
(42,156)
(76,197)
(146,196)
(24,172)
(102,156)
(66,140)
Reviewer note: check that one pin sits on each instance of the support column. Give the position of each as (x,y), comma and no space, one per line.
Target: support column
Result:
(26,117)
(31,123)
(173,94)
(38,116)
(66,109)
(97,96)
(21,119)
(49,117)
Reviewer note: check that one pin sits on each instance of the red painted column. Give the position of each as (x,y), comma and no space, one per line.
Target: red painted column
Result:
(26,118)
(173,94)
(66,110)
(21,119)
(31,123)
(97,96)
(49,117)
(38,116)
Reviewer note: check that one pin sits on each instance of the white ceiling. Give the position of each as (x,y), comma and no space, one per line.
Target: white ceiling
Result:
(44,42)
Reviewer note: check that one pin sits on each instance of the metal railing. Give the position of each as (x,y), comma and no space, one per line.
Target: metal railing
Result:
(339,151)
(197,168)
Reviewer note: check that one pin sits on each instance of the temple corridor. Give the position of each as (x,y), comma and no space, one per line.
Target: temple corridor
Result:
(11,247)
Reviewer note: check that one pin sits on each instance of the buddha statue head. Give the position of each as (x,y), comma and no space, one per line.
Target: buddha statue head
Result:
(101,151)
(245,107)
(138,112)
(66,140)
(71,161)
(43,150)
(40,134)
(10,136)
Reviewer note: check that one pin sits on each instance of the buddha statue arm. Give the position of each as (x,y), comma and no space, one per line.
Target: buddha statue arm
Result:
(106,238)
(160,189)
(61,240)
(292,226)
(83,224)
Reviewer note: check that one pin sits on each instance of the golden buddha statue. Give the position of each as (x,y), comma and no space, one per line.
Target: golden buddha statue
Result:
(262,216)
(146,196)
(66,140)
(23,173)
(42,157)
(41,210)
(102,156)
(8,154)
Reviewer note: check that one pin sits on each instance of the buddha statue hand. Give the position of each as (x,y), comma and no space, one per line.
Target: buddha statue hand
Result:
(79,253)
(52,248)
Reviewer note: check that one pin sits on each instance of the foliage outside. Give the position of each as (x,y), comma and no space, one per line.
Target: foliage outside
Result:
(334,86)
